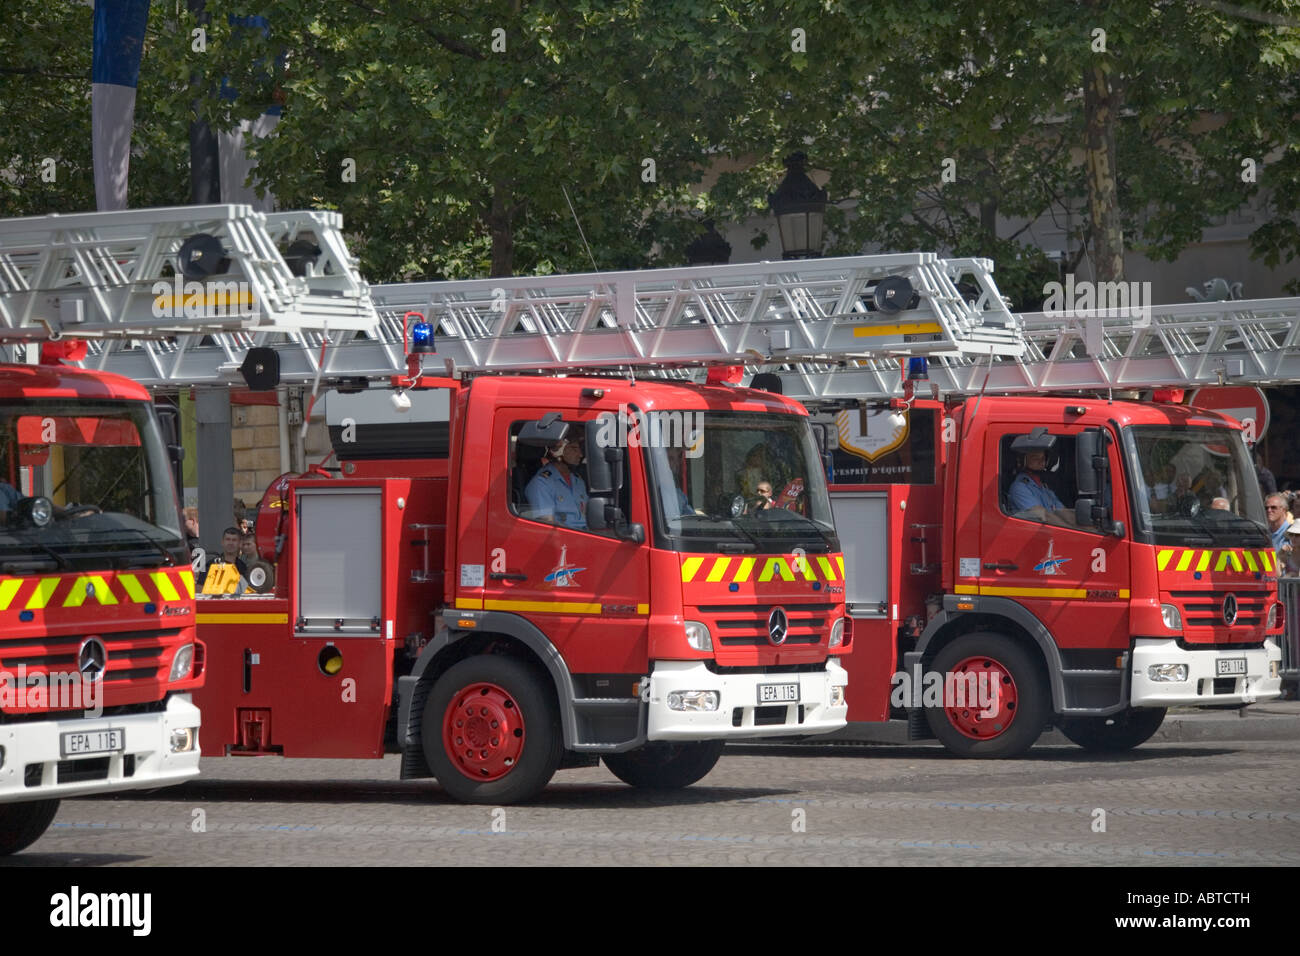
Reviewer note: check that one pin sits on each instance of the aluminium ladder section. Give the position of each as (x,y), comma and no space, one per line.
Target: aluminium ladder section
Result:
(115,279)
(1244,342)
(649,320)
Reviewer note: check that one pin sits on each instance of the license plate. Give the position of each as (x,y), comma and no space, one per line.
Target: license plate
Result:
(84,743)
(1230,666)
(778,693)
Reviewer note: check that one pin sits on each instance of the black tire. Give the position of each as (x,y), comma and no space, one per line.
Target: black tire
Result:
(511,772)
(665,766)
(1114,734)
(1024,704)
(21,824)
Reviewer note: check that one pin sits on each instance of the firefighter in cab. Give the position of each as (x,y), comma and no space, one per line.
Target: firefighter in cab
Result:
(557,492)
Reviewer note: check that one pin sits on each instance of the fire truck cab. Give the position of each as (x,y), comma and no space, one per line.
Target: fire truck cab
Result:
(468,593)
(1023,562)
(98,655)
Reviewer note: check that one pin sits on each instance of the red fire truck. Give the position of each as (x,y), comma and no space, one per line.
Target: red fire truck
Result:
(455,597)
(1019,562)
(98,655)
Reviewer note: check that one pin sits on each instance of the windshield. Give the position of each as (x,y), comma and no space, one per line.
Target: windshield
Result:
(103,466)
(747,482)
(1196,485)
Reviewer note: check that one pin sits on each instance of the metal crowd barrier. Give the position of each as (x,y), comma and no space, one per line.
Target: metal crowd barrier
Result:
(1289,594)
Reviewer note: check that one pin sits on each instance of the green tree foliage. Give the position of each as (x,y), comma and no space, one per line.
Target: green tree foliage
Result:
(938,124)
(45,113)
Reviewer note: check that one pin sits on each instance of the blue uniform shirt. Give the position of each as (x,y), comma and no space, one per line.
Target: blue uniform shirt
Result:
(9,496)
(551,497)
(1028,493)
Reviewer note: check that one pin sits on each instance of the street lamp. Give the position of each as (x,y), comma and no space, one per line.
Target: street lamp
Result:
(800,210)
(708,248)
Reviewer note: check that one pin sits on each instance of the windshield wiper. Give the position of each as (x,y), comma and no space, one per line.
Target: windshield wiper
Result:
(60,562)
(168,558)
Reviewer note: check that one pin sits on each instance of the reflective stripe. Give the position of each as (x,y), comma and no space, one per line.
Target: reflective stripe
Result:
(1162,559)
(187,579)
(1185,560)
(78,594)
(689,567)
(839,563)
(1204,562)
(241,618)
(8,588)
(543,607)
(131,584)
(1250,560)
(41,596)
(827,571)
(719,568)
(773,566)
(802,564)
(164,585)
(745,570)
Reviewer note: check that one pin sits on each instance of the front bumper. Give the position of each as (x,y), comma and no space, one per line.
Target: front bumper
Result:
(1203,684)
(739,714)
(30,754)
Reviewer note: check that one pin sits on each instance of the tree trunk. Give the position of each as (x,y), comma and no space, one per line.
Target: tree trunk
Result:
(501,227)
(1101,112)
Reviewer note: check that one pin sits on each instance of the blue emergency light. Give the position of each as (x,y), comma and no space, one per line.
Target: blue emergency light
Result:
(917,369)
(421,336)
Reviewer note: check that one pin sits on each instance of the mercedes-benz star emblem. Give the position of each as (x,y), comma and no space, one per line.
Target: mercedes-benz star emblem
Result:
(1230,610)
(778,626)
(92,658)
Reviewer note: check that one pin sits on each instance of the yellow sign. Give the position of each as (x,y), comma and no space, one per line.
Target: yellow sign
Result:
(222,579)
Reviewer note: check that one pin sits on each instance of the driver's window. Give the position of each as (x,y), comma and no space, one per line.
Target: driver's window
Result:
(1037,478)
(549,483)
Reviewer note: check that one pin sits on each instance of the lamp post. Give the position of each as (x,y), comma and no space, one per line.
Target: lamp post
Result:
(800,210)
(708,248)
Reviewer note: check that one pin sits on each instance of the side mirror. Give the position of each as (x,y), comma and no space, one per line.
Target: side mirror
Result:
(604,464)
(1085,470)
(604,515)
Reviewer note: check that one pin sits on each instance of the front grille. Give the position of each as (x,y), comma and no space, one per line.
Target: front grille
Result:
(132,655)
(79,771)
(745,625)
(1205,608)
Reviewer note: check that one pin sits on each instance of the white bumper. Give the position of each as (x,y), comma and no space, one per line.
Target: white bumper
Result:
(1202,673)
(147,740)
(736,714)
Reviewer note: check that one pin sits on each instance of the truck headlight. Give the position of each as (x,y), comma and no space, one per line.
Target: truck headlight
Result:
(1274,611)
(693,700)
(1169,614)
(182,663)
(1274,668)
(698,637)
(837,695)
(183,740)
(837,632)
(1167,673)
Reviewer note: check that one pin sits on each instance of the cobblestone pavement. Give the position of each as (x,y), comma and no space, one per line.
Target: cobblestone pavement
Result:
(1194,803)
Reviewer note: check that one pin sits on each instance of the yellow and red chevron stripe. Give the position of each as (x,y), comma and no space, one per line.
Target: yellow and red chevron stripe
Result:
(104,588)
(1237,560)
(784,567)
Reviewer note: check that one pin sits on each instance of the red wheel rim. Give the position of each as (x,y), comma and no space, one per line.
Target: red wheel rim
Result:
(991,710)
(483,732)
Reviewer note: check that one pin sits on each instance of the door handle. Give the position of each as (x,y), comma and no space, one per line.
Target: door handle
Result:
(1001,566)
(508,576)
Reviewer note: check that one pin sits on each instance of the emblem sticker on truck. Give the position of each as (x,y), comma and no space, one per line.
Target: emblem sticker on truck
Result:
(1050,564)
(562,575)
